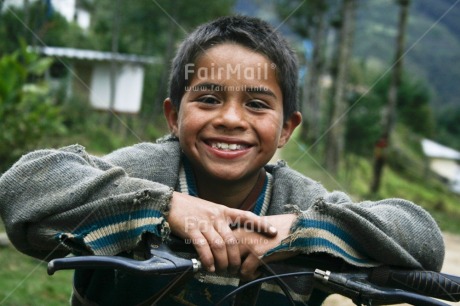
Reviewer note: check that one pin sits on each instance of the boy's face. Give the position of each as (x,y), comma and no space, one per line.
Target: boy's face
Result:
(230,121)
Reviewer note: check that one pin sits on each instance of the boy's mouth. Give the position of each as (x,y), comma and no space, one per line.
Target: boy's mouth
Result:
(228,146)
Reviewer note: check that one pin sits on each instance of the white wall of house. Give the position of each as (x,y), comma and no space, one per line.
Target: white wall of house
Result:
(65,7)
(447,168)
(455,184)
(443,161)
(83,18)
(129,86)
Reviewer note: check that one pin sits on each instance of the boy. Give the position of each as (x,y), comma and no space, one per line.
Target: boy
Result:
(232,104)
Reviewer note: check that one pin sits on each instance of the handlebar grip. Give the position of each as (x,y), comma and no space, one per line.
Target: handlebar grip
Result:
(437,285)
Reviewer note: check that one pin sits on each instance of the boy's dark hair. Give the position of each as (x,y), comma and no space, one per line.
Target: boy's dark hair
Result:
(249,32)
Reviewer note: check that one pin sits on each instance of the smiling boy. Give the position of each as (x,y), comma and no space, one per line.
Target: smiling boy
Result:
(227,118)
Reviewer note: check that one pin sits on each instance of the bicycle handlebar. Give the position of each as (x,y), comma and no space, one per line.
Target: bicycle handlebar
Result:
(162,262)
(360,286)
(385,285)
(434,284)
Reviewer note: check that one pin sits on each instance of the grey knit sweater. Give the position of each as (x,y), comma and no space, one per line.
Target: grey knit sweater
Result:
(58,201)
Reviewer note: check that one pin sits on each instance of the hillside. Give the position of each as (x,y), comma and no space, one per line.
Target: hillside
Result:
(433,42)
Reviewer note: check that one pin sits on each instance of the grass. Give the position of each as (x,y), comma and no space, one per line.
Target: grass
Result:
(24,281)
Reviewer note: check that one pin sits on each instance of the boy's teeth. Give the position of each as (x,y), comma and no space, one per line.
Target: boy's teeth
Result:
(226,146)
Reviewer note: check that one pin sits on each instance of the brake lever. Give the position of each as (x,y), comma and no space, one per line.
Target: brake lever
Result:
(163,251)
(162,262)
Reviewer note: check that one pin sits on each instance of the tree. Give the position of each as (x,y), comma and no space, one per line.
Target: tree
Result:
(27,113)
(413,107)
(34,24)
(390,110)
(310,21)
(363,129)
(448,129)
(312,87)
(2,2)
(336,132)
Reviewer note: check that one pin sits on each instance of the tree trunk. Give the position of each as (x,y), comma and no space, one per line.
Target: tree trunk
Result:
(162,90)
(335,141)
(389,115)
(1,7)
(27,27)
(312,93)
(113,63)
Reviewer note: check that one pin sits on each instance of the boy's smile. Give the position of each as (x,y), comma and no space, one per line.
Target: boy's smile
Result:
(230,120)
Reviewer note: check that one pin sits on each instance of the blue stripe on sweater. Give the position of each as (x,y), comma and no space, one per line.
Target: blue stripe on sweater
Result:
(108,240)
(190,177)
(317,242)
(333,229)
(112,238)
(261,198)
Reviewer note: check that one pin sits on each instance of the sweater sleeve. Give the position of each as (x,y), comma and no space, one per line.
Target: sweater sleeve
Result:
(53,202)
(391,232)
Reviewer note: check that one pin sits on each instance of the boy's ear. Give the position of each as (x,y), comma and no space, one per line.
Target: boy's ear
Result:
(171,115)
(289,127)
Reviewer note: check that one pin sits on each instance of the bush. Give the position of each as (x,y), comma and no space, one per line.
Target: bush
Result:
(27,113)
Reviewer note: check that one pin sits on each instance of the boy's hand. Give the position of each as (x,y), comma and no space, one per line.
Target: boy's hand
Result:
(208,226)
(253,245)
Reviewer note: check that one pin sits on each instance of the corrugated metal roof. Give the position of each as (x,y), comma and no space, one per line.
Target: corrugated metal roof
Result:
(434,149)
(93,55)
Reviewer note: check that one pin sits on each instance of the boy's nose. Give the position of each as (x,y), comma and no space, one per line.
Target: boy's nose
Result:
(231,116)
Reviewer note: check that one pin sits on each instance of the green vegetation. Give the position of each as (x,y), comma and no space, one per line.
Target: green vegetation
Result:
(27,112)
(405,178)
(31,117)
(24,281)
(102,132)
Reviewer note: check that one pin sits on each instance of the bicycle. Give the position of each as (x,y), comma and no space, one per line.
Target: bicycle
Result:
(364,286)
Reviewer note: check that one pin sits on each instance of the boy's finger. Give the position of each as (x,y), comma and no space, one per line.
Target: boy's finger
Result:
(249,267)
(218,248)
(204,251)
(231,244)
(251,221)
(265,227)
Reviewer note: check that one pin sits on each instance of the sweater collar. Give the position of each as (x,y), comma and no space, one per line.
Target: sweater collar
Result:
(257,201)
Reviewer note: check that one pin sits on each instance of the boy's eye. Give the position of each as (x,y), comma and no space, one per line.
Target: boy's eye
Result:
(257,104)
(208,100)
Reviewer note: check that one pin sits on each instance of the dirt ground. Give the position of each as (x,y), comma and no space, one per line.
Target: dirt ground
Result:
(451,266)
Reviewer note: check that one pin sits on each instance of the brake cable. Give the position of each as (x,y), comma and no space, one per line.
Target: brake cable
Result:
(262,280)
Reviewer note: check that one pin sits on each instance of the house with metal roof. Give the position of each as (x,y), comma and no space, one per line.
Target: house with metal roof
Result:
(109,81)
(443,161)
